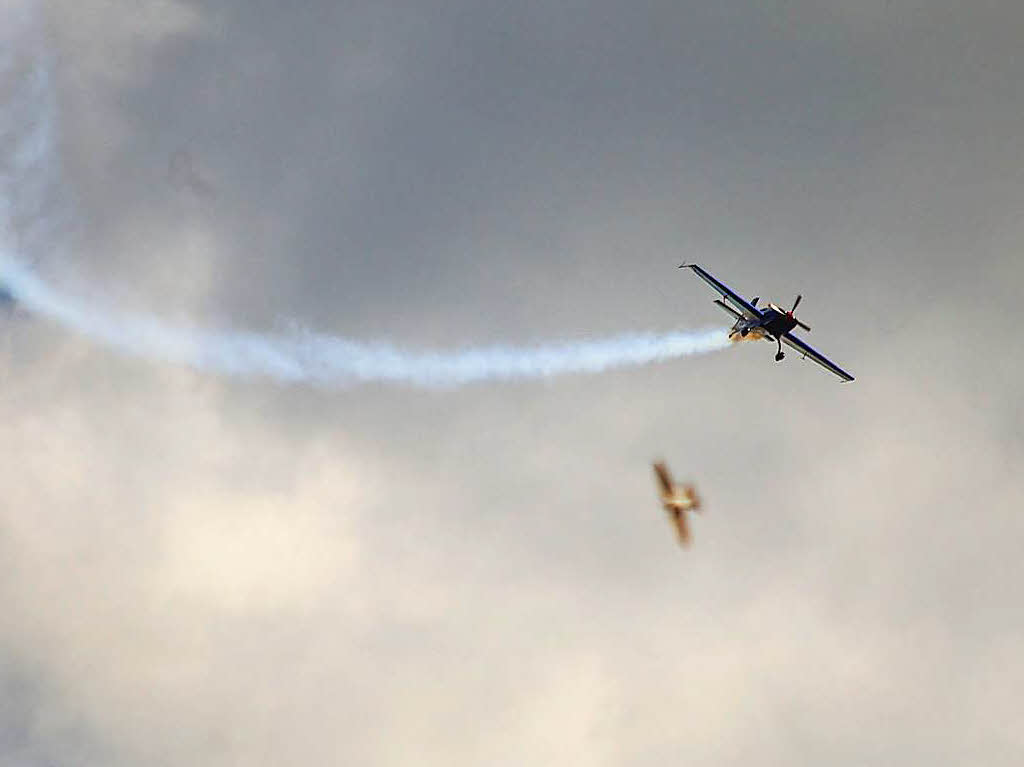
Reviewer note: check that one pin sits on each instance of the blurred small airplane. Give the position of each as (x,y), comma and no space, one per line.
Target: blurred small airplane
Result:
(772,323)
(677,500)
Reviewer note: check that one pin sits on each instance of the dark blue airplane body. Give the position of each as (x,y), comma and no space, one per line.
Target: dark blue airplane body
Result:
(772,323)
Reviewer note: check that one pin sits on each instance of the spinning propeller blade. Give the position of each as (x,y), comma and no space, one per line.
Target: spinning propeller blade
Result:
(796,303)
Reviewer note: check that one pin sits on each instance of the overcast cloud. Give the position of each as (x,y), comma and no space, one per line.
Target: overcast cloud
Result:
(195,570)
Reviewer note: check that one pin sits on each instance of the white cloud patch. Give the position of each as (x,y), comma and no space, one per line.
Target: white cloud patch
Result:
(259,554)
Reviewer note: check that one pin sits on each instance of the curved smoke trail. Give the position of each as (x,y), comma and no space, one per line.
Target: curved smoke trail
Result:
(30,177)
(329,360)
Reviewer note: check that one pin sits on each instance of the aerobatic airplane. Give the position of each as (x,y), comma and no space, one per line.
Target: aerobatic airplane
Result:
(677,500)
(772,323)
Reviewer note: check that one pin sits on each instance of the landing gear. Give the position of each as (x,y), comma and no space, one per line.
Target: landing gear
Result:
(780,355)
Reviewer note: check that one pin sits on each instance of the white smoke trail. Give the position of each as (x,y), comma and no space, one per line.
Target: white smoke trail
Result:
(29,176)
(332,361)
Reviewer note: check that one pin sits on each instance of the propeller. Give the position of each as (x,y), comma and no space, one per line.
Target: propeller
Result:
(789,314)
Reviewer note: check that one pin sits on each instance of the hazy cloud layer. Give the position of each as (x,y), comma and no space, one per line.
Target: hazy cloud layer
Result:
(202,571)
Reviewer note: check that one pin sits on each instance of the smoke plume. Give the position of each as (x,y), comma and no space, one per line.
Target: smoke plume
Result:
(30,185)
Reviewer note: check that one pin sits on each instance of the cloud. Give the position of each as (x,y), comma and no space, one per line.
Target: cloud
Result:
(114,47)
(196,570)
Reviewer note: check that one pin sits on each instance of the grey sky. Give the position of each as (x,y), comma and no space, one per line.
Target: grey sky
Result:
(196,570)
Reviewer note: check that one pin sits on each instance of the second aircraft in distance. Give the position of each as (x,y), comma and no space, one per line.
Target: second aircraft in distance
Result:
(677,500)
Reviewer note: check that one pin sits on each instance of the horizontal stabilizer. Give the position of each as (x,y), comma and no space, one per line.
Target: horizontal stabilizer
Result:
(733,312)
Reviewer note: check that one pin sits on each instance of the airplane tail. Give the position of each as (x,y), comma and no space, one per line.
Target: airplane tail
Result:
(728,309)
(691,492)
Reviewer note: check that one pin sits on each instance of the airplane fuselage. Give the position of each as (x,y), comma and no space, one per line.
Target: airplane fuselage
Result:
(682,499)
(772,323)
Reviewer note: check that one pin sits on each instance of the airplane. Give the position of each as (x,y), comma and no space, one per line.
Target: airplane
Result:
(772,323)
(677,500)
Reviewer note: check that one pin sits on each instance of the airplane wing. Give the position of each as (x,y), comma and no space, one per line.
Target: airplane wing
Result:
(682,528)
(795,343)
(664,478)
(742,305)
